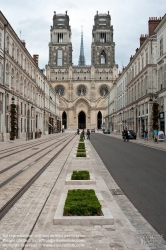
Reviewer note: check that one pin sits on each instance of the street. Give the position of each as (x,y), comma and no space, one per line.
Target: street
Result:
(140,172)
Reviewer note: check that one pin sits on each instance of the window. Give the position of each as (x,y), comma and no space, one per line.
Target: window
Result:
(21,125)
(161,46)
(59,59)
(7,74)
(103,57)
(7,44)
(13,50)
(25,110)
(146,57)
(142,62)
(25,125)
(60,37)
(12,79)
(1,73)
(21,109)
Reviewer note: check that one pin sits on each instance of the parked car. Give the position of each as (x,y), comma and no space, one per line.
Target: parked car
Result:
(131,134)
(106,131)
(92,130)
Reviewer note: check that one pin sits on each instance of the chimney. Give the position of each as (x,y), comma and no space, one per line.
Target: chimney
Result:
(23,42)
(153,22)
(142,39)
(35,58)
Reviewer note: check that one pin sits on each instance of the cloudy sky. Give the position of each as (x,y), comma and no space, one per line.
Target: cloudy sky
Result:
(31,20)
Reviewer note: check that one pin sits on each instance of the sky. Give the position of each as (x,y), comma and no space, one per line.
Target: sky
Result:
(32,19)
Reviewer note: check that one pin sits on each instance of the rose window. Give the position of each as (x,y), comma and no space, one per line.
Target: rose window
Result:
(103,90)
(81,90)
(60,90)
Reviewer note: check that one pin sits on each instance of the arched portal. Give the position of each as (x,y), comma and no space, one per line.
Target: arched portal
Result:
(81,120)
(99,120)
(64,120)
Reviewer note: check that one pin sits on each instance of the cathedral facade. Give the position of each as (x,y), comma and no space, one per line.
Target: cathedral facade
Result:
(82,89)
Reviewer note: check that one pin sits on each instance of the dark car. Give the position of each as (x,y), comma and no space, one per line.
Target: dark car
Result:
(131,134)
(106,131)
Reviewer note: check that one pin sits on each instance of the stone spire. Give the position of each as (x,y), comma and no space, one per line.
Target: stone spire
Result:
(81,61)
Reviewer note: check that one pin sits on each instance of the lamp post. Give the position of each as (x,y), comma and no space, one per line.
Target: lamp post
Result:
(28,122)
(120,121)
(13,120)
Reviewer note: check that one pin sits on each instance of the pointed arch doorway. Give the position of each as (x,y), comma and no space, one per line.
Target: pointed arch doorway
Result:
(81,120)
(64,119)
(99,120)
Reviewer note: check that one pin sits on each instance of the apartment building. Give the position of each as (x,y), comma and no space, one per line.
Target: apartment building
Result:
(137,86)
(161,72)
(23,85)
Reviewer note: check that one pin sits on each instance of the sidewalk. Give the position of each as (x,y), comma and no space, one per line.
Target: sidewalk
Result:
(129,230)
(150,143)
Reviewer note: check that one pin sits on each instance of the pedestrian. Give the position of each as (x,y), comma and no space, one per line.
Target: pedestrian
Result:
(78,131)
(146,135)
(155,135)
(126,135)
(88,134)
(83,134)
(40,132)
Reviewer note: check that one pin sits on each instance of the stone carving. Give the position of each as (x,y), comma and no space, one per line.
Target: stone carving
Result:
(81,105)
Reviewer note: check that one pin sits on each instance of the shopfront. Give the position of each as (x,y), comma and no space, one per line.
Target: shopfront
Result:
(142,125)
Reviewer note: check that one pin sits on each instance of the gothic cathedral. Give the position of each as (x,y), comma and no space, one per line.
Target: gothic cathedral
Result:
(82,89)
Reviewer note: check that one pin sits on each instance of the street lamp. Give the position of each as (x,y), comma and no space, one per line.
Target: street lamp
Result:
(13,120)
(28,121)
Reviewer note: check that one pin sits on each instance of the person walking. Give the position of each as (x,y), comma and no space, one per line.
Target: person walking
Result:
(83,134)
(146,135)
(155,134)
(126,135)
(88,134)
(40,133)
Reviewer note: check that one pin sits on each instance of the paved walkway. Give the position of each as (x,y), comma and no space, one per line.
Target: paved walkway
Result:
(129,231)
(149,143)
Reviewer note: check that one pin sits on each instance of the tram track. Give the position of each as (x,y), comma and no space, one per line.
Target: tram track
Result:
(7,206)
(15,164)
(30,164)
(3,151)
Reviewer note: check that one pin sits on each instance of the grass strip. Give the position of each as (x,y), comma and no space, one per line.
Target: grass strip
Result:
(82,202)
(81,154)
(80,175)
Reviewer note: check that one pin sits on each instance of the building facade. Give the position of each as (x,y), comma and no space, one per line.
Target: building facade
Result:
(136,87)
(24,90)
(82,89)
(161,72)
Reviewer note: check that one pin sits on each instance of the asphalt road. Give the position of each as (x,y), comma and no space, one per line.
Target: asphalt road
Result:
(140,172)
